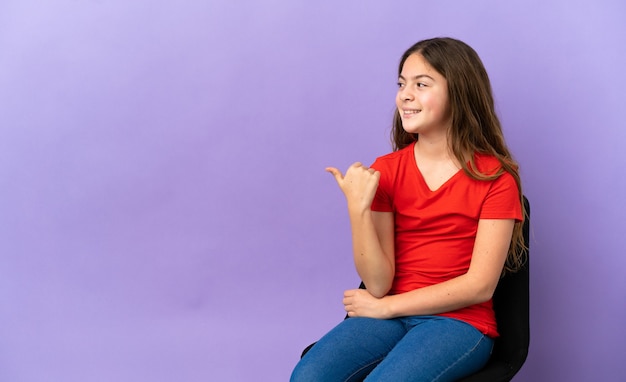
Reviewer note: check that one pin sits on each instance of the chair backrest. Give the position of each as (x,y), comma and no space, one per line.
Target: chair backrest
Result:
(511,303)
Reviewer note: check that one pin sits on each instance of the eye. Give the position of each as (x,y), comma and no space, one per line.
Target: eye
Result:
(421,85)
(400,85)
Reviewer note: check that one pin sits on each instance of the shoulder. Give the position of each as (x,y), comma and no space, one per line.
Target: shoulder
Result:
(487,164)
(502,199)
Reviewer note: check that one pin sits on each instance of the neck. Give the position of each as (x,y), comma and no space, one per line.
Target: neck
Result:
(433,147)
(433,151)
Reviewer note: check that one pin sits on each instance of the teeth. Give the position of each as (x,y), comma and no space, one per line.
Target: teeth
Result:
(411,111)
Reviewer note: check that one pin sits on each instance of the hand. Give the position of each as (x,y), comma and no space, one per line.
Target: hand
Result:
(360,303)
(358,185)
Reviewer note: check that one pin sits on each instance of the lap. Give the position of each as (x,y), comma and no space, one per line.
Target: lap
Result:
(438,349)
(407,348)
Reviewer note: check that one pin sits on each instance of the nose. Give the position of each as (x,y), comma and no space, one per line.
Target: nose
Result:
(405,94)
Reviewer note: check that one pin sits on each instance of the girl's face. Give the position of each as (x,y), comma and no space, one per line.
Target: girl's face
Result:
(422,98)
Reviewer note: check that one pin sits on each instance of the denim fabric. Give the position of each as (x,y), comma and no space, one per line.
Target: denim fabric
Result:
(416,348)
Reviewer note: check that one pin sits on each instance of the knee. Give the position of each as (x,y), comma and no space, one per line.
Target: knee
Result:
(305,372)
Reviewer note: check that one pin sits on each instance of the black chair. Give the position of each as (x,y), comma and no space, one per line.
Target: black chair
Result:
(511,303)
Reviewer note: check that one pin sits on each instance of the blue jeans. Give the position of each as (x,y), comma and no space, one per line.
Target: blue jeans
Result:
(416,348)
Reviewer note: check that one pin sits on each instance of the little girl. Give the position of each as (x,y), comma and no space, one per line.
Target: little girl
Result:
(434,225)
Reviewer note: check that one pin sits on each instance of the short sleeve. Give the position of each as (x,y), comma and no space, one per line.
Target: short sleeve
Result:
(503,200)
(382,200)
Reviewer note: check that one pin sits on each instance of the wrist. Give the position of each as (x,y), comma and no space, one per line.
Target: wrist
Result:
(387,307)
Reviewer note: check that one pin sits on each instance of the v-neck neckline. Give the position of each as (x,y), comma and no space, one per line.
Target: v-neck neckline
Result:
(423,180)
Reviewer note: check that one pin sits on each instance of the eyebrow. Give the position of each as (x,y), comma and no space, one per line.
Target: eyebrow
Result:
(417,77)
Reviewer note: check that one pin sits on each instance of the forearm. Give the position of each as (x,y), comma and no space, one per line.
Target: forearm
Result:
(373,263)
(447,296)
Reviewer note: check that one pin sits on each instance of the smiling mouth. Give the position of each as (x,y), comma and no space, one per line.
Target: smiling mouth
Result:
(408,113)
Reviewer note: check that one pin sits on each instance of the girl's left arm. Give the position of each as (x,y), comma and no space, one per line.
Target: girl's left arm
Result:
(493,238)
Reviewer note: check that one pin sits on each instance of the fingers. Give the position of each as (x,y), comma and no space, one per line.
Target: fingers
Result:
(359,183)
(348,297)
(360,166)
(335,172)
(348,302)
(356,165)
(347,305)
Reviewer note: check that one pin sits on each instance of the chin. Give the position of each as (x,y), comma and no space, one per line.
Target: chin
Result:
(411,129)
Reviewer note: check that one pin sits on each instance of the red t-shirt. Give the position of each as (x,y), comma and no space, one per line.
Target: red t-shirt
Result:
(435,230)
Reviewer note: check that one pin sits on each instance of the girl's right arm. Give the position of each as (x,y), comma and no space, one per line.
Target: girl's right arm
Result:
(372,232)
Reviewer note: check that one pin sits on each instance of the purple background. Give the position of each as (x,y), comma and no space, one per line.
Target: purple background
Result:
(164,212)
